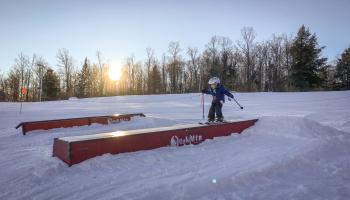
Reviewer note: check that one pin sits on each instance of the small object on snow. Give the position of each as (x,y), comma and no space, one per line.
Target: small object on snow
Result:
(73,98)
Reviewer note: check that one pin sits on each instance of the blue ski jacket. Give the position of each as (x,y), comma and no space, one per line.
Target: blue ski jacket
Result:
(219,93)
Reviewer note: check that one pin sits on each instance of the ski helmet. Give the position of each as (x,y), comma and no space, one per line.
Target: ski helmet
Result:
(214,80)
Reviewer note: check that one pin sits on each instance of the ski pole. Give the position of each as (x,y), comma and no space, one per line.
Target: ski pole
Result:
(238,103)
(20,109)
(202,100)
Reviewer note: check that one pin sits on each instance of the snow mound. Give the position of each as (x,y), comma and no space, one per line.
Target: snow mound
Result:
(296,127)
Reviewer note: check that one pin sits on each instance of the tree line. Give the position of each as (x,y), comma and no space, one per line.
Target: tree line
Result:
(280,64)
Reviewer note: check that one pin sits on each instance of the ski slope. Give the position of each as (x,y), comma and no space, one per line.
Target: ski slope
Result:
(299,149)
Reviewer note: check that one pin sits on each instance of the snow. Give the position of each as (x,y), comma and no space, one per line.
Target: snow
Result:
(299,149)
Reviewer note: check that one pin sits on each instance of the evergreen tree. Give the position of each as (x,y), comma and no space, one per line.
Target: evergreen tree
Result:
(155,80)
(84,84)
(14,85)
(343,69)
(51,85)
(306,60)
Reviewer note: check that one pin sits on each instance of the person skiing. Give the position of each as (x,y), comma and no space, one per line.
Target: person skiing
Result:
(218,91)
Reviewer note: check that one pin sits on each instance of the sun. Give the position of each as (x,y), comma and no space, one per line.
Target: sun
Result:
(114,73)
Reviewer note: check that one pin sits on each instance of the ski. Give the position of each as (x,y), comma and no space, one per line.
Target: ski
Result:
(213,123)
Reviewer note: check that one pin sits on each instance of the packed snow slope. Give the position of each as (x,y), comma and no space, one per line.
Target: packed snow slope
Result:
(299,149)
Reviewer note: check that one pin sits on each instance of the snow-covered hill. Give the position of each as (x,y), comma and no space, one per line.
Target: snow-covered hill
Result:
(299,149)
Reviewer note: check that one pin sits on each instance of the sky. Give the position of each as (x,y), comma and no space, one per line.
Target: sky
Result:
(119,28)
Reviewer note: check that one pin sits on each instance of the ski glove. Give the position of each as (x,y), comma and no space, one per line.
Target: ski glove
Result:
(204,90)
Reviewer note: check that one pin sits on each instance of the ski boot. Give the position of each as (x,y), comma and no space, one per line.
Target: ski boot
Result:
(210,120)
(219,119)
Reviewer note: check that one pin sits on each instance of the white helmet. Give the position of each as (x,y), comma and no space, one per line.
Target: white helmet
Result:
(214,80)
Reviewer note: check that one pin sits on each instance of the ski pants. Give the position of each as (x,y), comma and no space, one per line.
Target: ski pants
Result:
(215,108)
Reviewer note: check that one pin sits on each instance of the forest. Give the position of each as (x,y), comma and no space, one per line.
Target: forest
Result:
(280,64)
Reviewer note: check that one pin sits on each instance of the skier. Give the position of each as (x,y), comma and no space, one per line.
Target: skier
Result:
(218,92)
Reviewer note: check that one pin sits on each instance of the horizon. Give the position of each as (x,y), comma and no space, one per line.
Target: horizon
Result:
(128,28)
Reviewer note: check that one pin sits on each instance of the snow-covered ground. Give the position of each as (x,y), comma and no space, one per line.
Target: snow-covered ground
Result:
(299,149)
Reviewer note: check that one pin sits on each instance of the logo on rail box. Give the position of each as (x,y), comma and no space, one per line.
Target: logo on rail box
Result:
(190,139)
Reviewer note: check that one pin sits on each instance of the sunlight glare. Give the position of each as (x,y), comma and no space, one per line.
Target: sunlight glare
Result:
(117,133)
(114,72)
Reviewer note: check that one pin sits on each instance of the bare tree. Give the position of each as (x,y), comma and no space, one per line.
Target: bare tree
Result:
(65,64)
(2,80)
(247,46)
(164,76)
(212,53)
(276,64)
(175,67)
(139,76)
(193,68)
(287,59)
(23,69)
(150,61)
(39,69)
(102,73)
(132,70)
(14,83)
(3,87)
(226,58)
(262,66)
